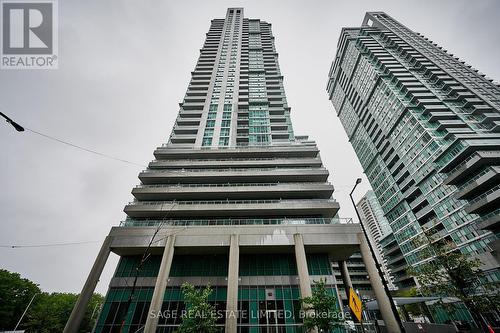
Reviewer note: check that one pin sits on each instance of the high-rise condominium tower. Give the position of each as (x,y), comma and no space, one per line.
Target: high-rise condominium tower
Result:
(377,227)
(233,200)
(426,129)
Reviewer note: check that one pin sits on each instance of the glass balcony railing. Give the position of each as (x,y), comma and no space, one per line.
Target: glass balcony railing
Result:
(253,145)
(216,222)
(484,195)
(245,169)
(228,202)
(219,159)
(475,178)
(230,184)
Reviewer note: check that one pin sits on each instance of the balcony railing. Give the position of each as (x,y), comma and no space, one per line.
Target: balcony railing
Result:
(229,184)
(287,168)
(216,222)
(475,178)
(484,195)
(227,159)
(227,202)
(249,145)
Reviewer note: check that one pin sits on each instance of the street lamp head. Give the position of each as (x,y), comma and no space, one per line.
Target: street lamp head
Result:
(358,180)
(18,127)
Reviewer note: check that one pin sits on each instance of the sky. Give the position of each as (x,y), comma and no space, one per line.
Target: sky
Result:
(123,68)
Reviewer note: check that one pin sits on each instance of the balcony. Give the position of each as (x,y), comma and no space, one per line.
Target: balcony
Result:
(445,115)
(193,105)
(183,138)
(417,202)
(485,202)
(190,113)
(472,163)
(236,163)
(290,150)
(392,261)
(186,130)
(444,124)
(235,222)
(277,135)
(234,191)
(187,122)
(248,175)
(219,208)
(479,183)
(484,147)
(490,221)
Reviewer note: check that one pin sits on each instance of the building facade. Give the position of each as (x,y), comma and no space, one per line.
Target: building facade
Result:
(426,129)
(234,200)
(377,228)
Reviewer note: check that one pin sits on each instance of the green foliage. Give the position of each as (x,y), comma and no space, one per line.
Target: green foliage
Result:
(451,273)
(414,309)
(15,294)
(200,314)
(320,309)
(51,311)
(48,312)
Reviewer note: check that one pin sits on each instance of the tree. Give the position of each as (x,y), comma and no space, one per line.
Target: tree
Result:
(15,294)
(200,316)
(450,273)
(321,309)
(48,312)
(51,311)
(416,309)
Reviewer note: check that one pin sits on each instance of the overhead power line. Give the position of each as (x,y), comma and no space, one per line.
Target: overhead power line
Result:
(47,245)
(20,128)
(83,148)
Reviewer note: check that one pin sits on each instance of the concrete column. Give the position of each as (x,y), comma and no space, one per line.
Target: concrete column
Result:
(160,286)
(76,316)
(346,278)
(383,301)
(300,257)
(335,283)
(232,285)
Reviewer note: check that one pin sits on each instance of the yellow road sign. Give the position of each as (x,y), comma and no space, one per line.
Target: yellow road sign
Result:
(355,304)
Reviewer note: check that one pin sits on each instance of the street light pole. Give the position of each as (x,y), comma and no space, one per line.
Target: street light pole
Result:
(379,269)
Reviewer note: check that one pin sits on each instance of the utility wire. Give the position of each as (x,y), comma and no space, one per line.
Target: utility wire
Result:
(20,128)
(83,148)
(46,245)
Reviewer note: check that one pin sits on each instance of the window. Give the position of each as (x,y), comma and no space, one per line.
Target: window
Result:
(208,132)
(259,138)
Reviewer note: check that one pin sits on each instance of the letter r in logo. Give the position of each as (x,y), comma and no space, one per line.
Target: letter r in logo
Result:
(27,27)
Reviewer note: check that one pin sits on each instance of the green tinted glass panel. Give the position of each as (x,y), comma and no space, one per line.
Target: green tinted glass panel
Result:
(199,265)
(128,265)
(270,264)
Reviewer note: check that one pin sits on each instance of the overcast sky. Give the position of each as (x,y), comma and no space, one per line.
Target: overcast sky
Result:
(123,68)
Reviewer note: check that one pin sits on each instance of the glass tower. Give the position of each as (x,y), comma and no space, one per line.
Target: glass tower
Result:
(426,129)
(233,200)
(377,227)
